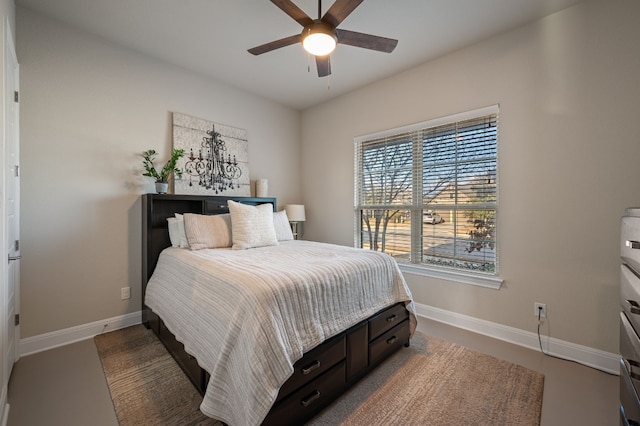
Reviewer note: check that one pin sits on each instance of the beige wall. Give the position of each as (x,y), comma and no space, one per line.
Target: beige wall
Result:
(569,140)
(569,144)
(87,109)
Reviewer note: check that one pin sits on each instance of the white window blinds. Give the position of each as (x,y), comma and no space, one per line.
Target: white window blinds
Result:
(427,193)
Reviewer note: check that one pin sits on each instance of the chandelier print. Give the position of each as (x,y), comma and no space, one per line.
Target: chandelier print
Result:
(209,167)
(216,160)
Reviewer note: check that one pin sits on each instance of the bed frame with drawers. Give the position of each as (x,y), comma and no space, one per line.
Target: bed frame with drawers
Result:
(324,372)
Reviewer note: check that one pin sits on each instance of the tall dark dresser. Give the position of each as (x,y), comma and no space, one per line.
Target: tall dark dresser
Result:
(630,318)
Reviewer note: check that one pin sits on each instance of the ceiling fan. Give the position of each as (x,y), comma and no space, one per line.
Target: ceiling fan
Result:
(320,36)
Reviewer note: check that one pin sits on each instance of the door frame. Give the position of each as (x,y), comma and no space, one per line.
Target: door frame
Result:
(9,59)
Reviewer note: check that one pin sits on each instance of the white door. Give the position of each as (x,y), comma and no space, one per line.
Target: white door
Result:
(12,203)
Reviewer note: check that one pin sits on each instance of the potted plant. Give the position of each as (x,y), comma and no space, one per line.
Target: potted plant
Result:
(162,177)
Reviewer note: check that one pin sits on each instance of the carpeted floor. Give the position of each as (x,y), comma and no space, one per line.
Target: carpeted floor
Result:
(434,382)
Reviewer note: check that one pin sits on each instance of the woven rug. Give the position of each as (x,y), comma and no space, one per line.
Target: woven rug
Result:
(434,382)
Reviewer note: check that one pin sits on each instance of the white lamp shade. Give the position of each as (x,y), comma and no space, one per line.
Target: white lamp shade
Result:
(295,212)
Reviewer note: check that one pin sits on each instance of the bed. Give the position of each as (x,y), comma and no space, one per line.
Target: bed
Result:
(274,333)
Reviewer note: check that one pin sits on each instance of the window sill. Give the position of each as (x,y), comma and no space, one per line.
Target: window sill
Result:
(459,277)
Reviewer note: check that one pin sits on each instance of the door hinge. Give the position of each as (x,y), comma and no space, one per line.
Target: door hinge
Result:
(17,170)
(17,319)
(16,96)
(17,245)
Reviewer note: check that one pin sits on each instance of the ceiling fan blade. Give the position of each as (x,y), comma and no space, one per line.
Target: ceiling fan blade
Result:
(294,11)
(339,11)
(268,47)
(324,65)
(367,41)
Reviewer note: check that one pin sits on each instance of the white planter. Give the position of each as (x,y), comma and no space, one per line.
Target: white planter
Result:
(162,187)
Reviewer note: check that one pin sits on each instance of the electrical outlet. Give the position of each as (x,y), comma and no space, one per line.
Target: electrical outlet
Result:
(540,309)
(125,293)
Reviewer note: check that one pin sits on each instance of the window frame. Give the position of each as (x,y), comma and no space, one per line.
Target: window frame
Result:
(416,207)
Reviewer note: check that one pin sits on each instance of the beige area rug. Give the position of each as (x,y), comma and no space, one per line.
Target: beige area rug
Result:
(434,382)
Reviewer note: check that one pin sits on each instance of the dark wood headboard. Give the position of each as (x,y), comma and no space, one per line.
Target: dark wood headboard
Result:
(156,208)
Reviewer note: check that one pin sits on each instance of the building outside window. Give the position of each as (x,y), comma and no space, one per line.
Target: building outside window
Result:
(427,194)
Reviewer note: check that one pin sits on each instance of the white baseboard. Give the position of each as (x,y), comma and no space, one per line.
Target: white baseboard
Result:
(5,415)
(4,407)
(605,361)
(43,342)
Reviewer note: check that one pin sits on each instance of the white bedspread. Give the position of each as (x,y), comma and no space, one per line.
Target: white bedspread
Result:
(248,315)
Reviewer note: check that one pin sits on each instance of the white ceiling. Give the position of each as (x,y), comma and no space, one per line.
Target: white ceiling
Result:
(211,37)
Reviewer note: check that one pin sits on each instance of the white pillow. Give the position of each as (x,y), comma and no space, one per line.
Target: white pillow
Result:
(252,226)
(282,226)
(173,231)
(182,237)
(205,231)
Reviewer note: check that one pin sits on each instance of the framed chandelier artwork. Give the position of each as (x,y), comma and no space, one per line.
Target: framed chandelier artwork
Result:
(216,157)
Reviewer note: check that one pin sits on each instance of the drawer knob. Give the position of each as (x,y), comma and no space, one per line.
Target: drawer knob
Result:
(634,308)
(392,318)
(391,339)
(632,244)
(309,399)
(311,367)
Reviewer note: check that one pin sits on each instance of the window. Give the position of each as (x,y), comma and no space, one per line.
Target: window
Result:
(427,194)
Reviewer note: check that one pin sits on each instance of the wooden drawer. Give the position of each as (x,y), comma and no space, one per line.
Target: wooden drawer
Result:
(188,363)
(310,399)
(630,238)
(387,319)
(314,363)
(388,343)
(630,295)
(630,348)
(218,205)
(215,207)
(629,402)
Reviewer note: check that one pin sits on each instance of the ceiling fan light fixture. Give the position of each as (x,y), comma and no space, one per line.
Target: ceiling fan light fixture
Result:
(319,39)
